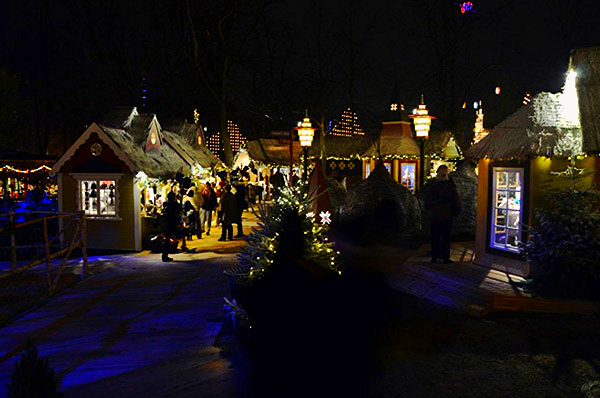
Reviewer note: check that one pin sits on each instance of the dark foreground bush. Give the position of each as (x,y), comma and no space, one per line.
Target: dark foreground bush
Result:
(563,249)
(33,377)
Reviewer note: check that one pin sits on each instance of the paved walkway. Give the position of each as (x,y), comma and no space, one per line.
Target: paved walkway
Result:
(140,328)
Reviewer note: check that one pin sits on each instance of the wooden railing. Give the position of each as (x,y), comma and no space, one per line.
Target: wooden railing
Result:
(78,239)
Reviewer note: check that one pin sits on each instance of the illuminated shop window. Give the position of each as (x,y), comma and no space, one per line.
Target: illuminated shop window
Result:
(388,167)
(367,170)
(98,197)
(507,209)
(407,178)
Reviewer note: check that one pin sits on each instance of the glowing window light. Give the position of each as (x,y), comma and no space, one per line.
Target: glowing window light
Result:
(153,138)
(394,107)
(498,90)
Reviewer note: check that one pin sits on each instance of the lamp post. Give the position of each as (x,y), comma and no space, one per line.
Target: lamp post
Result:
(306,133)
(422,120)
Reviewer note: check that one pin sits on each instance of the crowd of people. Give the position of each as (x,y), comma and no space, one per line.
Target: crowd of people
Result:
(192,213)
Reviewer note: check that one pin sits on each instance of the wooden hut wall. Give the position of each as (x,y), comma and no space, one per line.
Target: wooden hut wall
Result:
(536,184)
(118,233)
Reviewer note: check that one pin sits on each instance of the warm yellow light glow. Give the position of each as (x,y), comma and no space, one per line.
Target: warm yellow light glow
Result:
(305,132)
(153,138)
(569,101)
(422,121)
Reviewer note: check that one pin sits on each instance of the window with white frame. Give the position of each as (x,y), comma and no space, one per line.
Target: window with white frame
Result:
(98,196)
(407,175)
(507,208)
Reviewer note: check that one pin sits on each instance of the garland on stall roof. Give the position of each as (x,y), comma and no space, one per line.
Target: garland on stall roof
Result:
(27,171)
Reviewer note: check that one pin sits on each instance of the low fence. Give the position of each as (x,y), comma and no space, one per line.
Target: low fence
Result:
(47,247)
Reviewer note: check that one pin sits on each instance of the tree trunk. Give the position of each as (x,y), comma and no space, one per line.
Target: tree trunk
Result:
(322,151)
(225,142)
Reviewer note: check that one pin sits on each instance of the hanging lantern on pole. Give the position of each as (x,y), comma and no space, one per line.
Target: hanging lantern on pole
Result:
(422,121)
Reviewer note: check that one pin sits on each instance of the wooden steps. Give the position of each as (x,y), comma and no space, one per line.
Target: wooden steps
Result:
(474,289)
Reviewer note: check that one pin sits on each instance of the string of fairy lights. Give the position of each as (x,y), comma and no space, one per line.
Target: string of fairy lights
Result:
(348,125)
(26,171)
(236,139)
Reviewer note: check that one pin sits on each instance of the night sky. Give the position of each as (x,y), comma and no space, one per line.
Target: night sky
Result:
(66,63)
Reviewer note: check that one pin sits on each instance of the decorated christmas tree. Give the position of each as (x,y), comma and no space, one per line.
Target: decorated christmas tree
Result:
(264,241)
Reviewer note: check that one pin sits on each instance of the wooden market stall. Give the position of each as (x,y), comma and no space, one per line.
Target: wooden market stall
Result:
(120,169)
(399,150)
(22,173)
(521,152)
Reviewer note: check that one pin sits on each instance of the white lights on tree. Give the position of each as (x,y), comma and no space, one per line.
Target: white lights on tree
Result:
(310,214)
(325,217)
(479,132)
(561,112)
(569,101)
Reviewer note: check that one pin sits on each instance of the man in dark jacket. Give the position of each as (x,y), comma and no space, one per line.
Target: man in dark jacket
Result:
(443,203)
(277,180)
(230,214)
(240,198)
(172,214)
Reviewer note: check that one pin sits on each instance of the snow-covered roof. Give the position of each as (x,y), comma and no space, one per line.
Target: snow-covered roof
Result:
(538,129)
(161,162)
(128,134)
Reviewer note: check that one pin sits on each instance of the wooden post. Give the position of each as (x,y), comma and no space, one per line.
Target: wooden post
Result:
(47,246)
(291,157)
(13,244)
(83,238)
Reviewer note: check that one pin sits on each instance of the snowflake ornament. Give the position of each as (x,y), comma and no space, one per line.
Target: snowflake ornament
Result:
(325,217)
(310,214)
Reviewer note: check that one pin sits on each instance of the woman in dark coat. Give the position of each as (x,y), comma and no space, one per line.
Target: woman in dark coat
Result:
(230,214)
(172,214)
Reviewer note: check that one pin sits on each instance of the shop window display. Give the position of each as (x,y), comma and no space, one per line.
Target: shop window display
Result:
(507,209)
(98,197)
(407,171)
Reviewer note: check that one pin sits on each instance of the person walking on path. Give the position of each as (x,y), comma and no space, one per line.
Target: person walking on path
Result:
(240,198)
(209,205)
(172,220)
(230,214)
(443,202)
(277,180)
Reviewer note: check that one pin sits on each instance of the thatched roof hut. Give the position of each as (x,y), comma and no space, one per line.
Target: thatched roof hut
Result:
(341,147)
(273,152)
(533,130)
(387,146)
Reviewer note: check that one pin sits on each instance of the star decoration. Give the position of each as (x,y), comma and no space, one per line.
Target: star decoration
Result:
(310,214)
(325,217)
